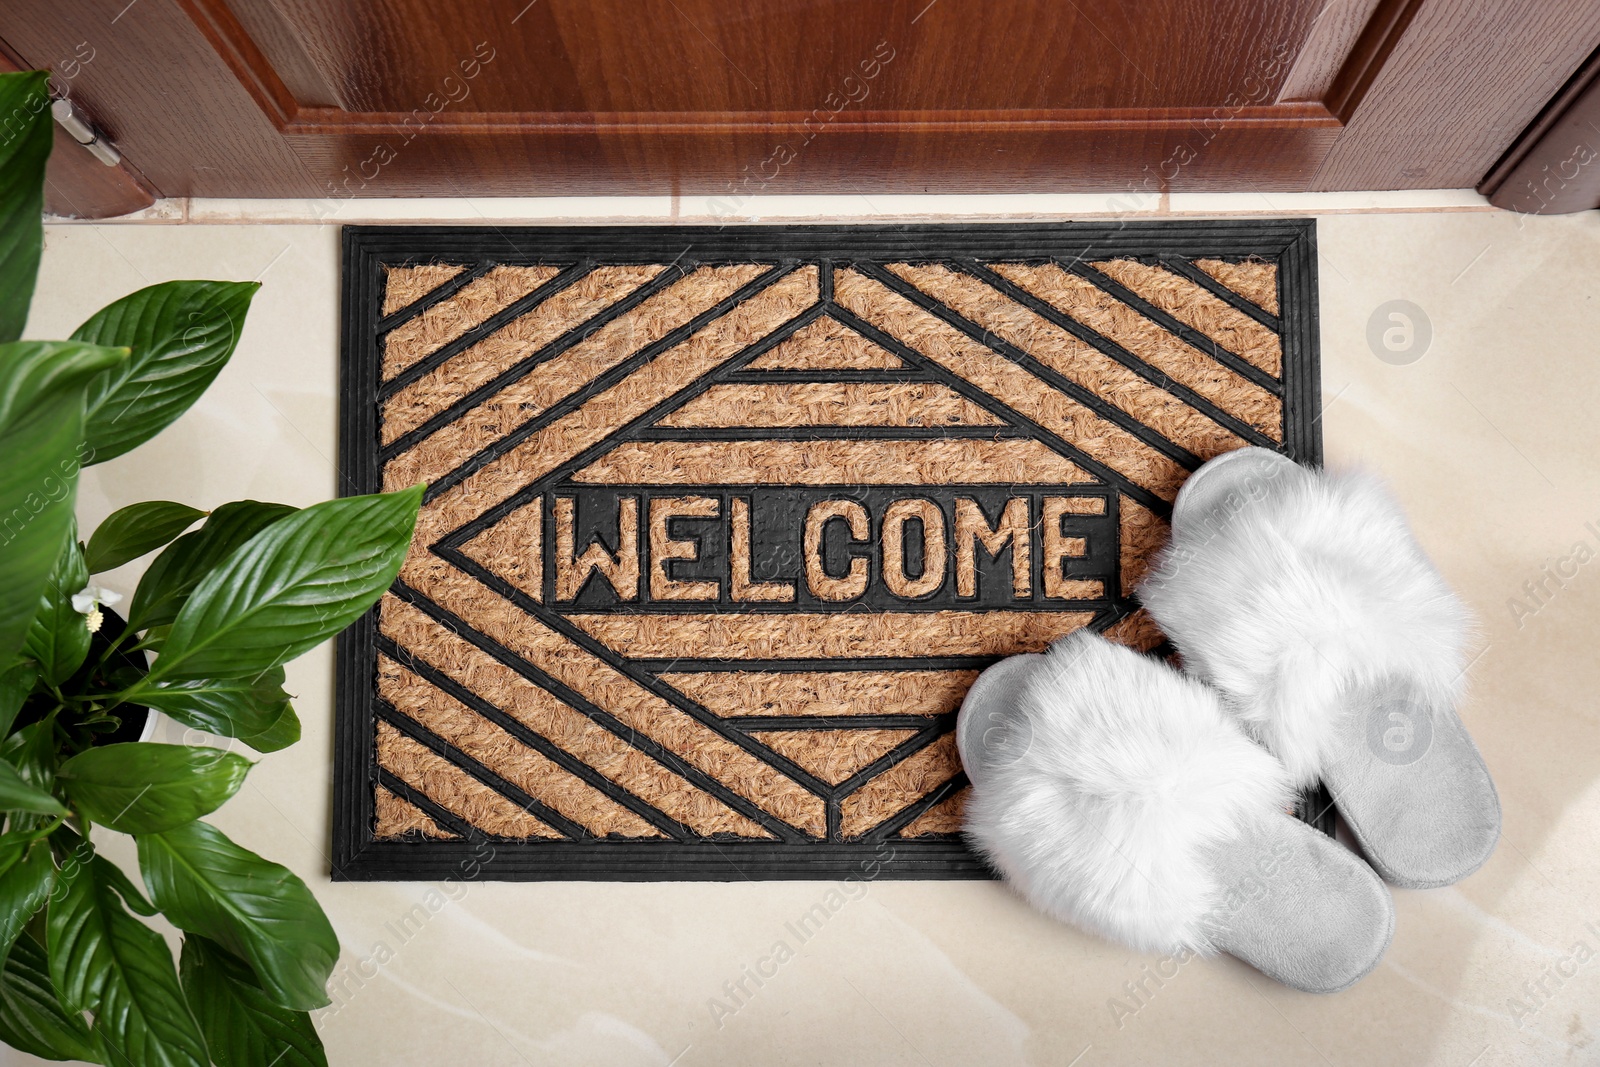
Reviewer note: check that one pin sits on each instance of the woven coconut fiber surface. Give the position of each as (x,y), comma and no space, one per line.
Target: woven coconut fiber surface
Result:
(722,523)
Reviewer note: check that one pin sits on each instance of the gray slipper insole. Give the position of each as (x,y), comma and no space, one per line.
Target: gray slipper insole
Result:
(1300,907)
(1296,905)
(991,731)
(1413,789)
(1407,779)
(1223,486)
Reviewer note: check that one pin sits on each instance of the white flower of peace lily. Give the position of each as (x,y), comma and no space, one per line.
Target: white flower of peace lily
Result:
(87,601)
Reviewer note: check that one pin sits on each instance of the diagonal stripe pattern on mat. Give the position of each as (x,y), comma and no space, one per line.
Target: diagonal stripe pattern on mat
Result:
(711,551)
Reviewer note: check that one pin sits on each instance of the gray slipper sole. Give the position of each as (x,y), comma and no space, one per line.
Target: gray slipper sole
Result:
(1408,780)
(1296,905)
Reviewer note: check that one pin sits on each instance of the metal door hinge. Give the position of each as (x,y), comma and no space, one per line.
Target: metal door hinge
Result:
(84,132)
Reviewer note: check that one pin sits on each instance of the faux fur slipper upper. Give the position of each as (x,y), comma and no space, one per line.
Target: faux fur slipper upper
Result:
(1115,794)
(1303,598)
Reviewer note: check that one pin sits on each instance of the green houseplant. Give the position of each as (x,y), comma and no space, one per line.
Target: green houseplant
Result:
(216,615)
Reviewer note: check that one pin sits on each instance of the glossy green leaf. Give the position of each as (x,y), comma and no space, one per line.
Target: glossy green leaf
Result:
(13,846)
(130,532)
(76,851)
(41,438)
(280,735)
(173,575)
(15,685)
(17,795)
(255,909)
(182,335)
(106,961)
(290,587)
(142,787)
(32,372)
(113,876)
(24,887)
(227,707)
(31,751)
(25,139)
(243,1026)
(58,637)
(32,1018)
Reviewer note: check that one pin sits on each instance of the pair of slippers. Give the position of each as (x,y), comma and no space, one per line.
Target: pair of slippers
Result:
(1318,644)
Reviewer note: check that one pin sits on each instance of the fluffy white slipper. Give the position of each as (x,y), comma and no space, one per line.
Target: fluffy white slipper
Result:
(1302,597)
(1115,794)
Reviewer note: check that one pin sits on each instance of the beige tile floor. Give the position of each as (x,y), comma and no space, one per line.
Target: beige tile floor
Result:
(1491,440)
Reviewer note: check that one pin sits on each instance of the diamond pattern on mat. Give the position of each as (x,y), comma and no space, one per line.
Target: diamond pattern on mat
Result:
(762,722)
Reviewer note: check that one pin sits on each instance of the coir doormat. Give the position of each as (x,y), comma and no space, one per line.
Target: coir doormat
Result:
(722,523)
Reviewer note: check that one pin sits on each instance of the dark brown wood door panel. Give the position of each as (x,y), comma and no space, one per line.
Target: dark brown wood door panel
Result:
(710,56)
(323,98)
(700,96)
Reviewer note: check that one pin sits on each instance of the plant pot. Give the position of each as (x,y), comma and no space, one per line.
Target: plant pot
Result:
(138,721)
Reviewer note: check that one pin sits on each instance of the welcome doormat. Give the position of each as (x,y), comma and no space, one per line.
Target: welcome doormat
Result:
(722,523)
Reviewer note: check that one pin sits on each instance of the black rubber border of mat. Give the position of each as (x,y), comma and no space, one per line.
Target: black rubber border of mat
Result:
(358,856)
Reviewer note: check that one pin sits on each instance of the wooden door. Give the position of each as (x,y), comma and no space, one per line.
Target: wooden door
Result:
(329,99)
